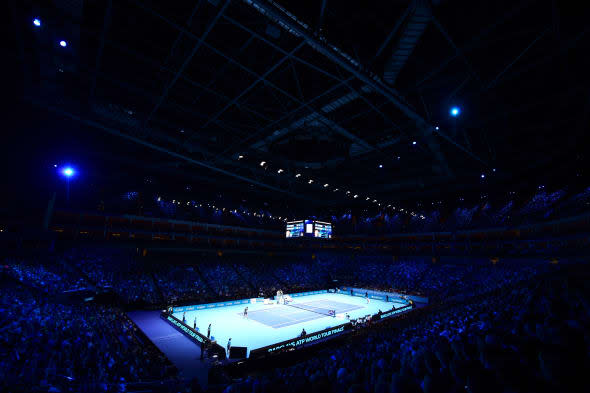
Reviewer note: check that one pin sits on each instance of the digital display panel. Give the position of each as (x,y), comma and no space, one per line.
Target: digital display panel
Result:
(323,230)
(309,228)
(294,229)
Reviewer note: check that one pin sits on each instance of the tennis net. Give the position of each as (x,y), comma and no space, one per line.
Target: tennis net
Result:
(319,310)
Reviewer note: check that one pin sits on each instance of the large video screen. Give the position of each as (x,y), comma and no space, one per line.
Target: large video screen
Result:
(295,229)
(323,230)
(309,228)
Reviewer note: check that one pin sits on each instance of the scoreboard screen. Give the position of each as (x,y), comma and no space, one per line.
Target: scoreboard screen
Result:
(295,229)
(309,228)
(323,230)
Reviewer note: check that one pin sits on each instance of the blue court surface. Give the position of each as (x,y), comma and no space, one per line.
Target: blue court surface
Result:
(271,323)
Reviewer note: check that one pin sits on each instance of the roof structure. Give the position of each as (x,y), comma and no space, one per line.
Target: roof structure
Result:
(318,101)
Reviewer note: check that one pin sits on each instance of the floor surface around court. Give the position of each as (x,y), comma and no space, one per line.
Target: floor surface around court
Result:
(269,324)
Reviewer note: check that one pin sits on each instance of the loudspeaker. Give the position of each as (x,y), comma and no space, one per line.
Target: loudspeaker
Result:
(237,352)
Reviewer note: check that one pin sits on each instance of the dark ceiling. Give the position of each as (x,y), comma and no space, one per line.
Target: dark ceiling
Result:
(336,91)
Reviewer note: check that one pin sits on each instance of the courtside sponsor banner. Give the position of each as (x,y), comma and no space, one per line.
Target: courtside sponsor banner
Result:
(214,305)
(395,312)
(185,329)
(390,295)
(299,341)
(298,294)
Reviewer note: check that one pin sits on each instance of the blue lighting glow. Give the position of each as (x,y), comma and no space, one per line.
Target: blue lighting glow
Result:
(37,22)
(482,175)
(455,111)
(63,44)
(68,171)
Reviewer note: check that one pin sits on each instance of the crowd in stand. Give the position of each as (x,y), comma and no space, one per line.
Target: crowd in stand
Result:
(484,323)
(200,279)
(531,337)
(51,346)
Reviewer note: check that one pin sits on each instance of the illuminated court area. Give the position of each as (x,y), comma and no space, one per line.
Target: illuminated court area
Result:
(272,323)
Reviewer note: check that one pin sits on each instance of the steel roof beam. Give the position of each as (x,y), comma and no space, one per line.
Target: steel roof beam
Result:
(261,78)
(275,12)
(161,149)
(105,27)
(187,60)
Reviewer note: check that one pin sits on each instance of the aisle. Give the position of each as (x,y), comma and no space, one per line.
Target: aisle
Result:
(181,351)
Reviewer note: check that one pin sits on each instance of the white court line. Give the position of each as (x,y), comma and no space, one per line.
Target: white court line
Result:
(296,321)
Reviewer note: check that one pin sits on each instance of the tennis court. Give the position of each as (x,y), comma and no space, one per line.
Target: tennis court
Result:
(279,315)
(271,323)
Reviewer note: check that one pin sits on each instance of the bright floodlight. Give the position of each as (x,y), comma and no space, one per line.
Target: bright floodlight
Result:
(37,22)
(68,171)
(63,44)
(455,111)
(414,142)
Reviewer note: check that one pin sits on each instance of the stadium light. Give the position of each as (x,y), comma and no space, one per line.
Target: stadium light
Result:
(37,22)
(483,175)
(326,185)
(262,163)
(63,44)
(455,111)
(280,171)
(68,171)
(310,181)
(414,143)
(298,175)
(436,128)
(240,157)
(380,165)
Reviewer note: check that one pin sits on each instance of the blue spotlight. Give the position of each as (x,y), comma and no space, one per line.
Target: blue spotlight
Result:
(483,176)
(68,171)
(414,143)
(37,22)
(455,111)
(380,165)
(63,44)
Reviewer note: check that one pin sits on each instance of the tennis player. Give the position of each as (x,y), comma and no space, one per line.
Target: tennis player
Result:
(367,297)
(246,313)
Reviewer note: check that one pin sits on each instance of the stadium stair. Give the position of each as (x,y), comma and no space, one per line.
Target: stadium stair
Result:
(74,268)
(204,279)
(420,278)
(244,278)
(158,289)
